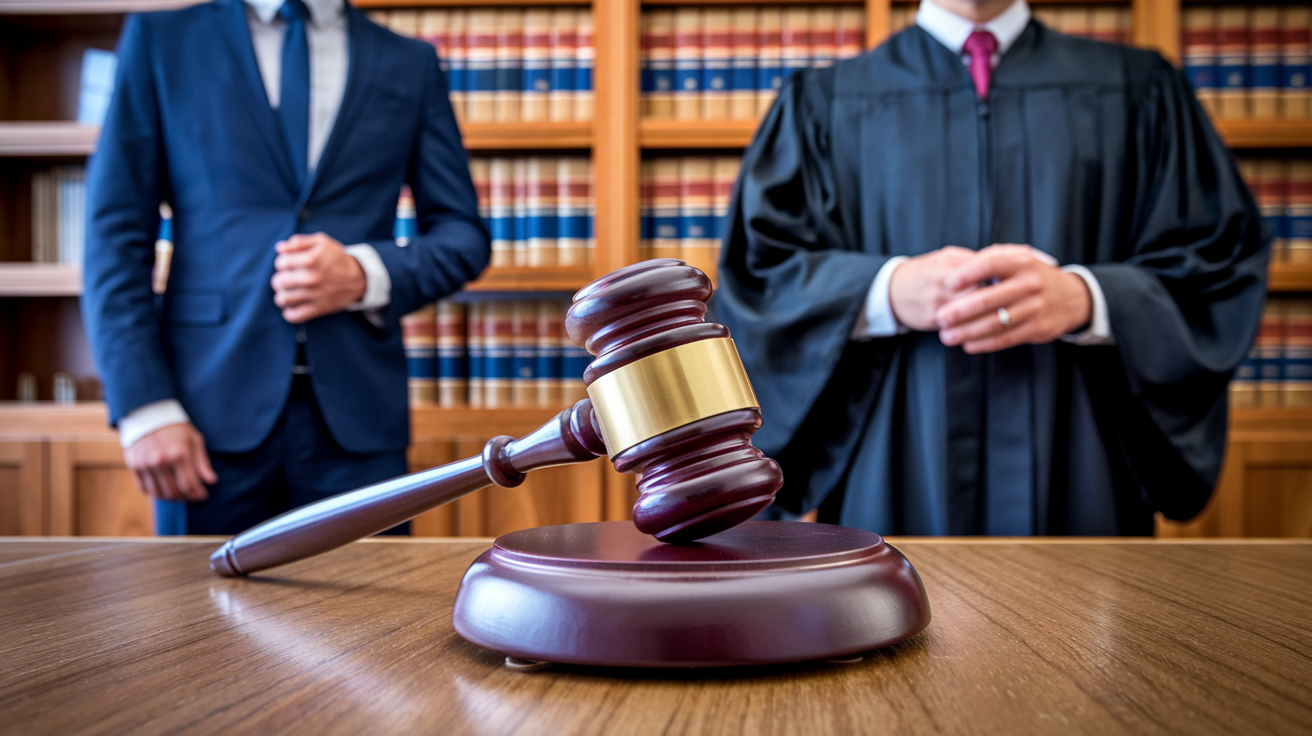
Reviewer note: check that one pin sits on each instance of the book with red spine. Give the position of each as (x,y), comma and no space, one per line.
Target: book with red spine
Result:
(585,55)
(1269,348)
(742,74)
(696,213)
(509,65)
(533,106)
(524,353)
(824,35)
(1272,194)
(660,29)
(452,355)
(519,210)
(419,338)
(724,174)
(542,204)
(1264,63)
(770,53)
(665,207)
(1233,26)
(457,61)
(564,59)
(573,210)
(716,60)
(474,339)
(550,330)
(1200,50)
(688,63)
(795,39)
(646,212)
(481,66)
(852,31)
(1296,63)
(498,354)
(1298,212)
(501,202)
(1297,359)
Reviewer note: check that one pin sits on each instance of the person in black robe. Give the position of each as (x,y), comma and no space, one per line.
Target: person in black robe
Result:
(990,408)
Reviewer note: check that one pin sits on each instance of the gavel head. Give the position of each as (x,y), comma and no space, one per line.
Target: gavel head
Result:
(672,399)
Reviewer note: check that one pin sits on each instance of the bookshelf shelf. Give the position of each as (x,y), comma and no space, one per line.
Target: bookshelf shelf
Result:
(46,418)
(533,278)
(372,4)
(88,7)
(1266,133)
(39,279)
(46,139)
(1287,424)
(1290,277)
(520,136)
(695,133)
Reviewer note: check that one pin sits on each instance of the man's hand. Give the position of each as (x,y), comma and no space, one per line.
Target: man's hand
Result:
(1042,301)
(916,291)
(315,276)
(171,464)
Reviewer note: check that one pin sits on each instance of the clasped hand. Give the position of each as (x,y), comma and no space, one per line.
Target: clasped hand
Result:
(958,293)
(314,276)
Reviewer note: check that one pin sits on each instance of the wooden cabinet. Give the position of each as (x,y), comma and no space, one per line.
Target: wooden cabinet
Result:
(22,488)
(91,492)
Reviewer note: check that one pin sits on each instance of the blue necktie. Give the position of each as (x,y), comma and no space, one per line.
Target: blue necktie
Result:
(294,103)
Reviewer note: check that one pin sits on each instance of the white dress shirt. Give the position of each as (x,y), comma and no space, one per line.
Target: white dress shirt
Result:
(329,61)
(951,30)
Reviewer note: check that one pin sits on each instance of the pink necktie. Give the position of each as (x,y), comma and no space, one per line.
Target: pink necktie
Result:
(980,47)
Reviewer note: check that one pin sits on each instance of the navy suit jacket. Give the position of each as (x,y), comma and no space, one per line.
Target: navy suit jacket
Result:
(190,124)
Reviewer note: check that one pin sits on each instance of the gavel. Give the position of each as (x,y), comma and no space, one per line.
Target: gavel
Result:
(669,401)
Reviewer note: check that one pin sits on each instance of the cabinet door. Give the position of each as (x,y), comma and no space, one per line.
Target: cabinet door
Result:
(22,488)
(93,494)
(1265,490)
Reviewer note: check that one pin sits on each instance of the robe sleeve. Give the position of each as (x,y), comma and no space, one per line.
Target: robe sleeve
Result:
(1184,295)
(791,282)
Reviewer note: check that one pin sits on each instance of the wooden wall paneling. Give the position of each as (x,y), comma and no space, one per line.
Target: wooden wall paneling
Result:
(1155,24)
(430,453)
(468,515)
(621,493)
(93,494)
(1278,489)
(22,488)
(615,142)
(878,19)
(561,495)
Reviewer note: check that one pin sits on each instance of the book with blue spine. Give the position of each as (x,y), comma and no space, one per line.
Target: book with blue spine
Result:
(742,74)
(1297,372)
(661,43)
(509,65)
(519,210)
(646,212)
(474,338)
(1200,50)
(524,353)
(1264,62)
(564,61)
(717,54)
(584,59)
(770,59)
(551,328)
(795,39)
(1232,61)
(687,63)
(542,206)
(1298,212)
(537,65)
(498,354)
(696,213)
(407,226)
(1270,354)
(452,355)
(501,202)
(481,66)
(573,203)
(457,61)
(665,207)
(824,35)
(1296,63)
(419,338)
(574,360)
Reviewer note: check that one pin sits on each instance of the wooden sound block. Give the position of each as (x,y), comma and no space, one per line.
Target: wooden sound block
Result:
(762,592)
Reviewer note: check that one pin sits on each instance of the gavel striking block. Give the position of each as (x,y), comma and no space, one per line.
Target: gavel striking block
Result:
(670,402)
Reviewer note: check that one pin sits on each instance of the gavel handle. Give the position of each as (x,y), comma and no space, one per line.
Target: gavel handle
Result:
(573,436)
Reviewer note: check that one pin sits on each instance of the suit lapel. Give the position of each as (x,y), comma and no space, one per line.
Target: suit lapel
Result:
(230,16)
(359,70)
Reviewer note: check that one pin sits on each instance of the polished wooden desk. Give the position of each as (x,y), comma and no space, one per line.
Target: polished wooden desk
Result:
(1047,636)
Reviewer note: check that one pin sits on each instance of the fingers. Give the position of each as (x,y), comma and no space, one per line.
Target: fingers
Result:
(1028,332)
(996,261)
(985,301)
(297,260)
(165,483)
(203,466)
(989,324)
(295,298)
(299,242)
(303,312)
(300,279)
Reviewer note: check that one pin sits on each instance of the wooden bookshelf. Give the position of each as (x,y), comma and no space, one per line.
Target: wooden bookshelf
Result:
(1266,133)
(668,134)
(1290,277)
(526,136)
(88,7)
(39,279)
(533,278)
(46,139)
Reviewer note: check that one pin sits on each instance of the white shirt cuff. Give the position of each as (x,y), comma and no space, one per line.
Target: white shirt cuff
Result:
(876,319)
(146,419)
(378,283)
(1100,327)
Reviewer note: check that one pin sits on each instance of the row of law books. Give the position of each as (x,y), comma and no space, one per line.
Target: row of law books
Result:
(493,354)
(59,207)
(1278,371)
(723,63)
(1249,62)
(538,209)
(684,204)
(509,65)
(1283,190)
(1097,22)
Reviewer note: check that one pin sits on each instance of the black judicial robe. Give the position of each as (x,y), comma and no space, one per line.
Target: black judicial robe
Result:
(1095,153)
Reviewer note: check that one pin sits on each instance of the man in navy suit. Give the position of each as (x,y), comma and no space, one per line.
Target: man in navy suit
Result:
(271,370)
